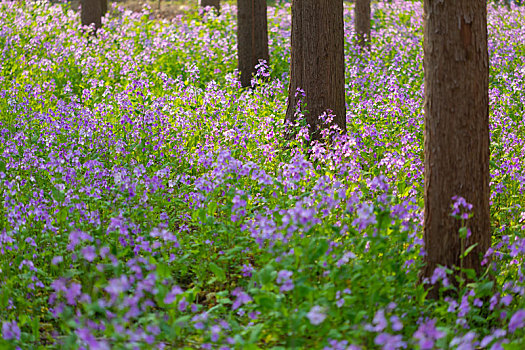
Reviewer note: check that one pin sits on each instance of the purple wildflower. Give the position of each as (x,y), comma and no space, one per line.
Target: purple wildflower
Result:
(427,334)
(242,298)
(283,278)
(316,315)
(517,321)
(10,330)
(183,304)
(170,297)
(390,342)
(57,260)
(89,253)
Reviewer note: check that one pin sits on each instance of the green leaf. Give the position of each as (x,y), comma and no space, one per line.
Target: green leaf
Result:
(59,196)
(484,289)
(35,325)
(218,272)
(319,251)
(468,250)
(471,274)
(265,301)
(255,332)
(266,274)
(182,321)
(512,346)
(493,164)
(212,208)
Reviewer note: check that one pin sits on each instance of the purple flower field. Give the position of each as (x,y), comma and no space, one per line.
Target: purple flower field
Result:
(147,201)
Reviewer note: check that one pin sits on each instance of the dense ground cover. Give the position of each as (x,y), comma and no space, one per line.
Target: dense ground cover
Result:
(148,201)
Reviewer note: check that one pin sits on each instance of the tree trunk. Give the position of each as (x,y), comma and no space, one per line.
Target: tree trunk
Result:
(103,7)
(252,37)
(214,3)
(91,13)
(317,63)
(456,130)
(362,22)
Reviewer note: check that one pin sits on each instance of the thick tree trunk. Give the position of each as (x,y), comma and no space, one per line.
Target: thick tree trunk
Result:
(103,7)
(91,13)
(252,37)
(317,63)
(456,130)
(214,3)
(362,22)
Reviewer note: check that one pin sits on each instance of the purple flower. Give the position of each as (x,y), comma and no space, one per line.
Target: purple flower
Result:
(89,253)
(117,285)
(10,330)
(460,207)
(170,297)
(242,298)
(517,321)
(340,302)
(464,307)
(316,315)
(498,345)
(380,321)
(506,300)
(345,258)
(73,292)
(397,325)
(452,304)
(57,260)
(75,237)
(390,342)
(283,277)
(85,336)
(287,286)
(427,334)
(439,274)
(498,333)
(365,216)
(337,345)
(183,304)
(247,270)
(466,342)
(215,332)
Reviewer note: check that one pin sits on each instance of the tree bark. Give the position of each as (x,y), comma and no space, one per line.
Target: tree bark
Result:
(252,37)
(91,13)
(103,7)
(317,63)
(456,131)
(362,22)
(214,3)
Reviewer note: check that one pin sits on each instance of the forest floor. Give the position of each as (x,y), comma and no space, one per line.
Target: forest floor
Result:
(147,200)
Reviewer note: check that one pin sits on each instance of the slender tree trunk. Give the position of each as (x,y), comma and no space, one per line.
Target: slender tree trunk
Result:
(317,63)
(91,13)
(214,3)
(456,130)
(362,22)
(252,37)
(103,7)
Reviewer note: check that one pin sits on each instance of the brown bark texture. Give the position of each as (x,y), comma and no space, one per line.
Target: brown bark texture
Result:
(91,13)
(252,37)
(103,7)
(214,3)
(317,63)
(456,130)
(362,22)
